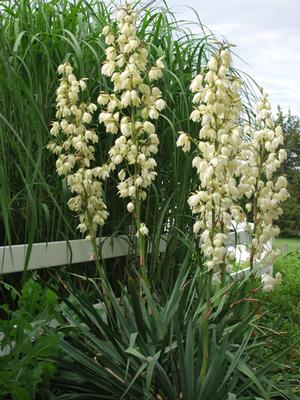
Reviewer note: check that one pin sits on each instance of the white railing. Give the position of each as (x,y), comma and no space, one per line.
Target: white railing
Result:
(238,242)
(53,254)
(45,255)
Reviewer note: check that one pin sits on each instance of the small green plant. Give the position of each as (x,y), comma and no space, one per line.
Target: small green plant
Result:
(27,339)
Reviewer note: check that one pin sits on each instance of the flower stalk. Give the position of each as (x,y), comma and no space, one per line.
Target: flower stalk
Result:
(128,112)
(205,328)
(260,158)
(73,143)
(217,107)
(231,172)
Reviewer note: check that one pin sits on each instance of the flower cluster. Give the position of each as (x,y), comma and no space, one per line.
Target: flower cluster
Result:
(73,144)
(130,110)
(238,183)
(269,283)
(217,107)
(260,158)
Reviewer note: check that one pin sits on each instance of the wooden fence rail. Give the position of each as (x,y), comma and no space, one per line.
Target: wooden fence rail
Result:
(53,254)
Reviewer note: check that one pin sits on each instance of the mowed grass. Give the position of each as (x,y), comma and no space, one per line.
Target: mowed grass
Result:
(287,245)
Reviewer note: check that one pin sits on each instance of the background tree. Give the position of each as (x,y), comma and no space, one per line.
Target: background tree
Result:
(289,222)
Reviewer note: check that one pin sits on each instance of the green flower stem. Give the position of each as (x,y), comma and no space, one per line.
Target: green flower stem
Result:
(99,266)
(137,206)
(141,240)
(223,266)
(205,338)
(255,222)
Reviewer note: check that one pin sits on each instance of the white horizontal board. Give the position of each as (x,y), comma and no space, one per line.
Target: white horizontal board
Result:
(52,254)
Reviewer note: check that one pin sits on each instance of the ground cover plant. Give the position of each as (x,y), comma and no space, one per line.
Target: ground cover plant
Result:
(142,110)
(28,337)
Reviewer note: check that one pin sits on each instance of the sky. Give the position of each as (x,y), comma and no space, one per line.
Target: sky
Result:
(267,36)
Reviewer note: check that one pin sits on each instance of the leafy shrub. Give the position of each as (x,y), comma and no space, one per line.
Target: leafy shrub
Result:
(281,309)
(284,300)
(28,338)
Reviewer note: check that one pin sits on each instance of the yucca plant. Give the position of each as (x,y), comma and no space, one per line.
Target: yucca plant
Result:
(150,347)
(177,337)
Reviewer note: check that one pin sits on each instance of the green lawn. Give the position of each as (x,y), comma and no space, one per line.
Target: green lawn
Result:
(287,245)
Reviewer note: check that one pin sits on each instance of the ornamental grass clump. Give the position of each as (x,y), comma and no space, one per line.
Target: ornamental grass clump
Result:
(130,111)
